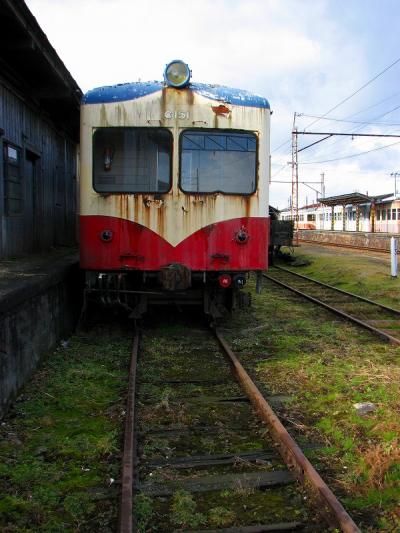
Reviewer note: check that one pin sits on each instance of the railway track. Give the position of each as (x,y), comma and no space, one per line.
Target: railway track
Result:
(349,246)
(197,457)
(377,318)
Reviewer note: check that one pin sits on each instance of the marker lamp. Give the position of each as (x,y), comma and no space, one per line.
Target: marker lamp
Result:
(177,74)
(225,280)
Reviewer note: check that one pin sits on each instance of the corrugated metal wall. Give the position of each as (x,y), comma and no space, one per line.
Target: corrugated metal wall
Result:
(48,172)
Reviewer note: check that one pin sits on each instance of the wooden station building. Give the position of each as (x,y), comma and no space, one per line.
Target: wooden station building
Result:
(39,136)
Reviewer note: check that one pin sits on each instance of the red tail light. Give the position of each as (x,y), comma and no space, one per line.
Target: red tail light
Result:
(225,280)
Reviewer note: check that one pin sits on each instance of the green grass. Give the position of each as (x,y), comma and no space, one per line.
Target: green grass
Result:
(353,271)
(59,443)
(325,366)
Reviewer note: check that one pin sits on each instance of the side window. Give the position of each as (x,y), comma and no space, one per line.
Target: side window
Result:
(13,189)
(218,161)
(132,160)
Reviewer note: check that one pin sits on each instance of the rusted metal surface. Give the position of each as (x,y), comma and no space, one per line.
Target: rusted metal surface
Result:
(386,307)
(363,324)
(290,451)
(175,277)
(126,521)
(175,215)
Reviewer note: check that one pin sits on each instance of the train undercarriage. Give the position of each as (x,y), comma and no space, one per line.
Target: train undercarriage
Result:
(135,292)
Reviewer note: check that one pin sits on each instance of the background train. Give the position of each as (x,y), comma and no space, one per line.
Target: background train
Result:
(173,192)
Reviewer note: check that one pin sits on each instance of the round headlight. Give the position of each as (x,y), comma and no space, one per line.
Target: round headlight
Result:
(177,74)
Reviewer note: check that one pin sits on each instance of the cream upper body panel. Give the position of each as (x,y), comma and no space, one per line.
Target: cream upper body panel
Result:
(174,215)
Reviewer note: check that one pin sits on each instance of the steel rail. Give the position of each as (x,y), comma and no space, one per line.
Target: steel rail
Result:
(338,312)
(126,519)
(289,450)
(347,293)
(350,246)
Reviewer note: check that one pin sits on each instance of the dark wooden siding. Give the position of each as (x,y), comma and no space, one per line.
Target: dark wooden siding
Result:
(48,167)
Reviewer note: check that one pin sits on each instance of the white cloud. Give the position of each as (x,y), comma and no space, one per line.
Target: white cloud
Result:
(302,55)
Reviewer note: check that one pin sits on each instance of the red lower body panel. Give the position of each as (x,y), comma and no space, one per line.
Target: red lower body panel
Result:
(136,247)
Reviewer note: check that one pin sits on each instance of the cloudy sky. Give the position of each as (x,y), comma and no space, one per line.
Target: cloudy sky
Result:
(305,56)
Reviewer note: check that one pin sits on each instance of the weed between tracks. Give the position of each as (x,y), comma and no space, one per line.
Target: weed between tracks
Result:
(59,449)
(61,441)
(187,418)
(363,273)
(326,365)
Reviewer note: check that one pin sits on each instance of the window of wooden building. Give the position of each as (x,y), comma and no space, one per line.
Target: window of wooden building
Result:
(13,186)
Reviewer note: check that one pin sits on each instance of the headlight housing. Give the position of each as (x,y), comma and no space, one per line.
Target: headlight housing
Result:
(177,74)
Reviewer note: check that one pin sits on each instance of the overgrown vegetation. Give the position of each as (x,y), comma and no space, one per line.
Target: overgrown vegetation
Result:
(364,273)
(324,366)
(60,442)
(59,453)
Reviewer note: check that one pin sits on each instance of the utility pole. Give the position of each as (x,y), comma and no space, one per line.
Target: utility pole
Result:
(323,185)
(394,175)
(295,180)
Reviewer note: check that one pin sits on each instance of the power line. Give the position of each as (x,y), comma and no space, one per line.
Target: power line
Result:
(352,121)
(348,156)
(353,114)
(363,126)
(278,171)
(374,105)
(280,146)
(355,92)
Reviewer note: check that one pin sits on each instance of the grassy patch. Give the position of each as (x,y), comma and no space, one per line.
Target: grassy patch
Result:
(59,443)
(326,365)
(362,273)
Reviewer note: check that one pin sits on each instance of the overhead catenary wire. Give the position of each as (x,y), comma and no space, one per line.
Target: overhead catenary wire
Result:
(280,146)
(355,92)
(280,170)
(363,126)
(367,123)
(348,98)
(348,156)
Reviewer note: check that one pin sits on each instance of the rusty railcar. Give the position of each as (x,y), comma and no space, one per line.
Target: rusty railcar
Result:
(174,192)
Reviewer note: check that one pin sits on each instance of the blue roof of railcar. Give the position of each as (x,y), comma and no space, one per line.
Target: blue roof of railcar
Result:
(131,91)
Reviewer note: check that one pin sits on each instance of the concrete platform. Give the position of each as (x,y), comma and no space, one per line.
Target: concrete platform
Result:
(356,239)
(39,305)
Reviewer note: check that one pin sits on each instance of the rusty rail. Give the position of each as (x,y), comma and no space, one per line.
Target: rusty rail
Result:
(350,246)
(126,521)
(289,450)
(365,325)
(347,293)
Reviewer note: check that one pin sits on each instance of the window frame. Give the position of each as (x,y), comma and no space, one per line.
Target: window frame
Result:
(225,131)
(171,177)
(7,161)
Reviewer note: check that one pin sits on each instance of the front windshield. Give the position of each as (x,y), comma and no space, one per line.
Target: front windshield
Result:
(216,161)
(132,160)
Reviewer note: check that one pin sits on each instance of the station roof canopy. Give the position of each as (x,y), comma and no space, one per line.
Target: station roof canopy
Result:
(353,198)
(29,63)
